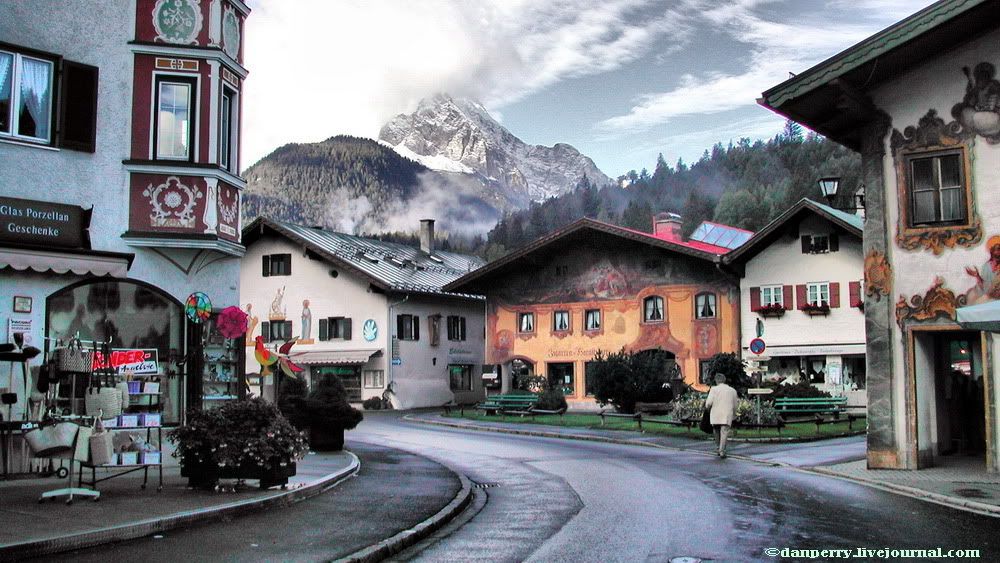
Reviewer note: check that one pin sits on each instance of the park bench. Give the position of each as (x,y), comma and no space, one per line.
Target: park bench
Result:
(512,403)
(810,405)
(653,408)
(851,419)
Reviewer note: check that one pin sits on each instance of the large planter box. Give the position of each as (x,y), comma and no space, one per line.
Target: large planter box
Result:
(205,476)
(326,439)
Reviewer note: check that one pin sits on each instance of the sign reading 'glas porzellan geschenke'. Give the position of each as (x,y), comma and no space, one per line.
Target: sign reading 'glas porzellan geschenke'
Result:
(41,223)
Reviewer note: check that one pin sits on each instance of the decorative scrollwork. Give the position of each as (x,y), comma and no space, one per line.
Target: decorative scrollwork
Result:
(939,302)
(172,203)
(878,275)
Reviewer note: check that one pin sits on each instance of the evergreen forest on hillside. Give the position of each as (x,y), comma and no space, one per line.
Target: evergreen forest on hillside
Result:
(745,185)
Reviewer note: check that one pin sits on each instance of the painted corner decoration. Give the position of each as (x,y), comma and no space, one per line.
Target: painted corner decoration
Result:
(369,331)
(938,303)
(198,307)
(177,21)
(979,111)
(231,33)
(878,275)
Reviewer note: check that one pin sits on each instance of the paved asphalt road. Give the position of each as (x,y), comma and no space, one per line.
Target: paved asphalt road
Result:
(553,500)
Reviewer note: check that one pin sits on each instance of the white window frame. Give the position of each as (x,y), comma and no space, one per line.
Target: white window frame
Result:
(819,289)
(698,307)
(911,190)
(227,128)
(565,325)
(15,98)
(647,317)
(373,378)
(772,295)
(521,324)
(154,113)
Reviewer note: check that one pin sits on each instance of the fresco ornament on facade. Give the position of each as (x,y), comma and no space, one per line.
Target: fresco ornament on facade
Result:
(979,111)
(931,132)
(177,21)
(986,277)
(231,32)
(277,312)
(938,303)
(307,318)
(253,320)
(878,275)
(172,203)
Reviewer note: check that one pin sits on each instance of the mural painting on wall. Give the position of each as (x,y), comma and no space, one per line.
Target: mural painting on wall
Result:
(254,319)
(172,203)
(987,276)
(307,319)
(979,111)
(878,275)
(938,303)
(229,211)
(277,312)
(706,340)
(434,324)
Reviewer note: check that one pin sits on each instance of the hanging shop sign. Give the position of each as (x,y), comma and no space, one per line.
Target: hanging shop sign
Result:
(42,223)
(138,361)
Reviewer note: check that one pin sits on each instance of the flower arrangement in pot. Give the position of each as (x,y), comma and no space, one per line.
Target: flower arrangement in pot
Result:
(240,440)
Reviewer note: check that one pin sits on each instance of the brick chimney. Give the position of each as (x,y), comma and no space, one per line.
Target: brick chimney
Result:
(427,235)
(667,226)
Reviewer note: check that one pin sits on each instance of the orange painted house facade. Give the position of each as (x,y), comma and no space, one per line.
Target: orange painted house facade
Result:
(591,286)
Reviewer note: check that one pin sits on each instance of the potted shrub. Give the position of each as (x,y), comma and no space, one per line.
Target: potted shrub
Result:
(240,440)
(328,414)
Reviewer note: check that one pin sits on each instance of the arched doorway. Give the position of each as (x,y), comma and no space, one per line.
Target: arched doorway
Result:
(521,373)
(135,316)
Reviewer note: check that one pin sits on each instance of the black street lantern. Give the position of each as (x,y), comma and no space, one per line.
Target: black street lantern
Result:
(829,186)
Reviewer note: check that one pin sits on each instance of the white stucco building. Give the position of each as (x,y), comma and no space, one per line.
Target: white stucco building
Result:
(367,311)
(800,293)
(920,101)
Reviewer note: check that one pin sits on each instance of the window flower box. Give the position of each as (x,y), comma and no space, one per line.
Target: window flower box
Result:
(813,309)
(772,310)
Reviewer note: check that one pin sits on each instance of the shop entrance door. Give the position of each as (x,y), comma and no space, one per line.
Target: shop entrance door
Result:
(950,398)
(561,377)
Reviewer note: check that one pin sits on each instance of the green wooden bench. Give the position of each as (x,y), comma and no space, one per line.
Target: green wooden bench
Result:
(811,405)
(513,403)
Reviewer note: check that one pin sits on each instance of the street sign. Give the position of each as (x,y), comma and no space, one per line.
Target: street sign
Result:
(757,346)
(397,362)
(759,391)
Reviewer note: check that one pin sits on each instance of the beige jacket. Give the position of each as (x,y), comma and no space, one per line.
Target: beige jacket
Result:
(722,400)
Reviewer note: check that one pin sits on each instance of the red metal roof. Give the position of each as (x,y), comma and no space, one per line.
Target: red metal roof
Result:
(695,245)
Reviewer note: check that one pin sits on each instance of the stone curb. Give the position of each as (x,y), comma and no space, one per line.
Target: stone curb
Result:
(409,537)
(913,492)
(143,528)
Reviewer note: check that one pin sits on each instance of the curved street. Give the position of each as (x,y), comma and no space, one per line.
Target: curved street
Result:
(548,499)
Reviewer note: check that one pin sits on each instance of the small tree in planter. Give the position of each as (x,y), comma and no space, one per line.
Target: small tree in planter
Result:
(328,414)
(622,379)
(730,365)
(291,401)
(240,440)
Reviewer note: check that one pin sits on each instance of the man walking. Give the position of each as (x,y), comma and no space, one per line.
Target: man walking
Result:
(722,401)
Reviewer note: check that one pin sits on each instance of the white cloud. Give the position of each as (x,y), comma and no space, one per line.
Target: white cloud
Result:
(773,49)
(320,68)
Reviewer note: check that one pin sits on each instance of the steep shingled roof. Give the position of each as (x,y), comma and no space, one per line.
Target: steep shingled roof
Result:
(388,265)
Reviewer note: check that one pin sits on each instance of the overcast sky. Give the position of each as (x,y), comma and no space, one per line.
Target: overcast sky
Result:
(621,80)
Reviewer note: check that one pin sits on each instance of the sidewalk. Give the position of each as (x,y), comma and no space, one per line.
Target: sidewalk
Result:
(958,482)
(125,511)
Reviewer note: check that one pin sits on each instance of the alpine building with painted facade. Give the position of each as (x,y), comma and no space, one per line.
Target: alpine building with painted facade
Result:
(119,174)
(370,312)
(920,101)
(800,295)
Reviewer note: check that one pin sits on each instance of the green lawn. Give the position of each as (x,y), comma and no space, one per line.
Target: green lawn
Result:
(793,430)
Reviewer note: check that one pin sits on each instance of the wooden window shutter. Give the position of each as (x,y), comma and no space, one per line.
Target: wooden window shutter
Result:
(346,333)
(800,296)
(807,244)
(324,329)
(288,264)
(265,266)
(834,242)
(854,290)
(78,107)
(288,330)
(265,331)
(416,327)
(755,299)
(786,297)
(834,295)
(399,327)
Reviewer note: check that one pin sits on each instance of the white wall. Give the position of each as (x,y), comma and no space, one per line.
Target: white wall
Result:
(783,263)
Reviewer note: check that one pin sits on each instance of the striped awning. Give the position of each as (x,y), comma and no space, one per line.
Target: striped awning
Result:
(70,261)
(334,357)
